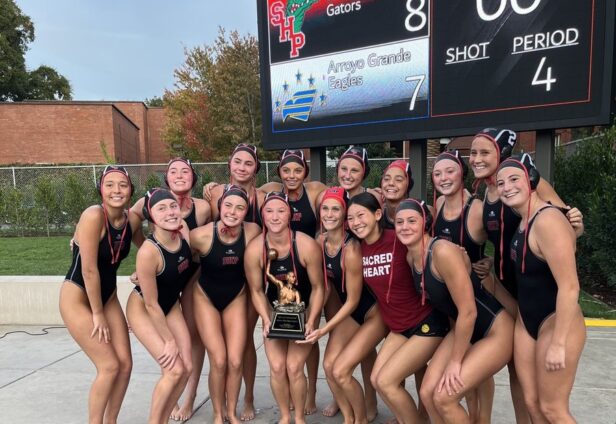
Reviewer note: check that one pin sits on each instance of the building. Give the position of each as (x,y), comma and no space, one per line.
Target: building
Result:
(74,132)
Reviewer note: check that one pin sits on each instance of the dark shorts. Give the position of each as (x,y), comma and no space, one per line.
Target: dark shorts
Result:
(434,325)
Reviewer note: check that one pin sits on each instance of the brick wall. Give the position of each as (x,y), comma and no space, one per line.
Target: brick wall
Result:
(157,149)
(55,133)
(72,132)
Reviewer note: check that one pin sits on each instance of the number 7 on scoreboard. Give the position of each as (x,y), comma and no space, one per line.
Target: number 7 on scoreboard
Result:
(420,79)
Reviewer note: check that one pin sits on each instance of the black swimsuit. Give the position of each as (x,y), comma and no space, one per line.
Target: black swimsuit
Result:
(174,276)
(438,295)
(106,270)
(537,288)
(333,268)
(222,270)
(387,223)
(254,214)
(492,225)
(303,218)
(450,231)
(191,219)
(279,269)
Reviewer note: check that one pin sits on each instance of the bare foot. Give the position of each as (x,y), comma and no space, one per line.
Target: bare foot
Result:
(310,407)
(233,419)
(248,413)
(184,412)
(392,421)
(218,419)
(331,410)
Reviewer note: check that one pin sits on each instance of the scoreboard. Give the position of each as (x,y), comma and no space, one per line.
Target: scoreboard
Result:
(358,71)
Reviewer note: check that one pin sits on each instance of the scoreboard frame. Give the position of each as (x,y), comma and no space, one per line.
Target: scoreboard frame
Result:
(596,110)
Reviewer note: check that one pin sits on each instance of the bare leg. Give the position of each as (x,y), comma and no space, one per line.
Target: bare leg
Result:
(234,326)
(295,361)
(367,364)
(77,315)
(555,387)
(403,357)
(482,360)
(276,351)
(185,411)
(362,342)
(312,365)
(209,323)
(338,339)
(121,345)
(249,371)
(171,383)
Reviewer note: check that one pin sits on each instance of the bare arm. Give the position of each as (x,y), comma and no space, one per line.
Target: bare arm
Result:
(310,256)
(216,193)
(555,242)
(254,276)
(149,262)
(449,262)
(203,211)
(547,193)
(353,284)
(271,186)
(88,236)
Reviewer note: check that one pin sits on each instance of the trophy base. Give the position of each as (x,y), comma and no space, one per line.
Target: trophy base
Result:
(287,325)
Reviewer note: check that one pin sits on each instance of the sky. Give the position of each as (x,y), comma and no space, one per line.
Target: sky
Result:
(126,49)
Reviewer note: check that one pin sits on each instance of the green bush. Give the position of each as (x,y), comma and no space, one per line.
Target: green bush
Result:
(587,179)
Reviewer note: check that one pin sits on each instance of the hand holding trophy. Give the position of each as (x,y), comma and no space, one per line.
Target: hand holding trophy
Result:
(288,316)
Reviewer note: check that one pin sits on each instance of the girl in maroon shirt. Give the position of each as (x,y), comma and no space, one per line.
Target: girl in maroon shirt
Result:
(416,329)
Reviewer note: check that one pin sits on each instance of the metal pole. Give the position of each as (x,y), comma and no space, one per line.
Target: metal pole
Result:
(14,180)
(94,174)
(418,153)
(544,154)
(267,171)
(318,166)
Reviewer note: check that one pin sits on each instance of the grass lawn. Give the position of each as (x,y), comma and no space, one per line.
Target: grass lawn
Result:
(52,256)
(44,256)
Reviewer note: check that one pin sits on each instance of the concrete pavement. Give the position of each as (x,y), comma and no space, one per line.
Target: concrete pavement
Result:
(45,378)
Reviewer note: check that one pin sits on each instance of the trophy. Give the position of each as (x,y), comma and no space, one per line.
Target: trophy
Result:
(289,310)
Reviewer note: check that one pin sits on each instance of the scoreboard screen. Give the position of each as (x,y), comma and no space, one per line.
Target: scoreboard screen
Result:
(358,71)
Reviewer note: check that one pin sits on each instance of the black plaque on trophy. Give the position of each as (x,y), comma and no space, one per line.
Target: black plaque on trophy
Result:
(289,310)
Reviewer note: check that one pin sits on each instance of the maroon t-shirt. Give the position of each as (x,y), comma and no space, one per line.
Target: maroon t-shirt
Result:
(402,309)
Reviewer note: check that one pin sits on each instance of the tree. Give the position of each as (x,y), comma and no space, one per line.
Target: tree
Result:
(16,82)
(154,102)
(216,101)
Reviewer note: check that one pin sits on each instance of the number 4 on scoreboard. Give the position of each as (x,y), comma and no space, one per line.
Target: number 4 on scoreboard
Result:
(548,81)
(420,79)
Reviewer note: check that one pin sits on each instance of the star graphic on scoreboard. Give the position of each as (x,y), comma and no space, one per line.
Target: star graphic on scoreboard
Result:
(298,77)
(322,98)
(285,87)
(311,81)
(277,105)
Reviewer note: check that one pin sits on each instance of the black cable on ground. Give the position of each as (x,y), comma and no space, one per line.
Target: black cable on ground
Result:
(44,332)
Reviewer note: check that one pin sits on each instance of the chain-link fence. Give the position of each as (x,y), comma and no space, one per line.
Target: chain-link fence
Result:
(38,200)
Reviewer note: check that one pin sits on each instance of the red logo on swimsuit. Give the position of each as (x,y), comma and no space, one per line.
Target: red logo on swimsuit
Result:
(230,260)
(183,266)
(297,216)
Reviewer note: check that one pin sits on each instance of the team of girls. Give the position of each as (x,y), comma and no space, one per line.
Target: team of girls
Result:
(430,300)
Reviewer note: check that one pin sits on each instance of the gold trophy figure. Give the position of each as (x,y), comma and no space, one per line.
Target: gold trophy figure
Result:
(288,316)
